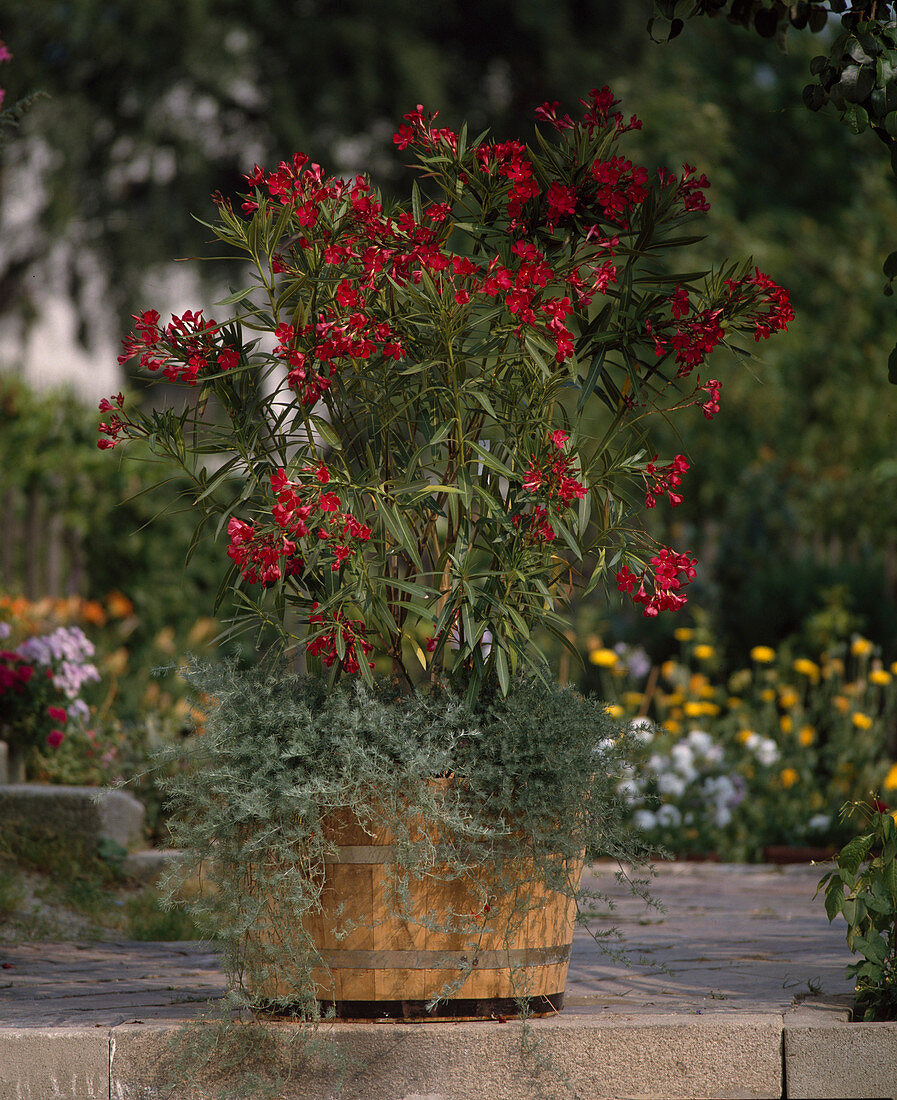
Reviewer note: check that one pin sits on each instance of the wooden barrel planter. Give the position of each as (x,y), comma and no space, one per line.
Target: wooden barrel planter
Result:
(388,965)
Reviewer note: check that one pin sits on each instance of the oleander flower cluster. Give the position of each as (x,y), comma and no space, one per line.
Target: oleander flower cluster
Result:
(426,418)
(735,762)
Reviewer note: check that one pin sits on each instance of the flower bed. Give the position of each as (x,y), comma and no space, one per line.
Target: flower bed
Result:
(732,763)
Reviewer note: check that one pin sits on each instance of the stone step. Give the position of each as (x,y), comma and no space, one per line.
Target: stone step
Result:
(91,814)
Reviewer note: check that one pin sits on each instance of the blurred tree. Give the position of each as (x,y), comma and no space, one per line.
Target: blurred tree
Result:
(154,106)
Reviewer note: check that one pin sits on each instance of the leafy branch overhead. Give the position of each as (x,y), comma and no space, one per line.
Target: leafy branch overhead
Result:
(858,75)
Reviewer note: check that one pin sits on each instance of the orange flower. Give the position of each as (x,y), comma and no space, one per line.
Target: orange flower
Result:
(120,607)
(92,612)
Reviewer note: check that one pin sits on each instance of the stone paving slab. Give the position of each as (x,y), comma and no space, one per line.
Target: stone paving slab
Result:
(731,939)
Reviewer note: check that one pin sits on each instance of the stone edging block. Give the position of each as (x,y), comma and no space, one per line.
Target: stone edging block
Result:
(90,813)
(624,1057)
(65,1063)
(848,1061)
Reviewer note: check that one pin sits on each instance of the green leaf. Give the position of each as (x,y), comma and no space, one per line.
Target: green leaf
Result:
(834,899)
(501,667)
(854,852)
(873,947)
(855,118)
(416,208)
(591,379)
(814,97)
(236,296)
(491,462)
(326,431)
(399,529)
(857,82)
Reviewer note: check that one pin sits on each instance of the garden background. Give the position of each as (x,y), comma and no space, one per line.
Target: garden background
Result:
(790,502)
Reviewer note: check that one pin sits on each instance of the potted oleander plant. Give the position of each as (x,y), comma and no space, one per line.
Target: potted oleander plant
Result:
(417,429)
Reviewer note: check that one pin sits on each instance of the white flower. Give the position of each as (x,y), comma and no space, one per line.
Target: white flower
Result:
(644,819)
(631,790)
(818,823)
(669,815)
(658,764)
(683,759)
(642,729)
(672,784)
(700,741)
(719,788)
(767,751)
(722,816)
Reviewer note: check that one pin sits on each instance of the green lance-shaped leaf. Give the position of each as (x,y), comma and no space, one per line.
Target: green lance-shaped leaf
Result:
(395,524)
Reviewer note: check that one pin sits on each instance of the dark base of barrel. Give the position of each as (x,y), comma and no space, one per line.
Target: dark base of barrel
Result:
(465,1008)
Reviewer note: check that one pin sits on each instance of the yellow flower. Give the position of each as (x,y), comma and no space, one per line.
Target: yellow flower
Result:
(707,691)
(786,724)
(697,682)
(861,647)
(763,655)
(668,669)
(675,698)
(806,667)
(841,703)
(789,777)
(894,668)
(615,710)
(767,695)
(807,735)
(711,710)
(633,699)
(880,677)
(788,698)
(683,634)
(604,658)
(704,652)
(672,726)
(694,709)
(890,783)
(733,702)
(743,735)
(861,721)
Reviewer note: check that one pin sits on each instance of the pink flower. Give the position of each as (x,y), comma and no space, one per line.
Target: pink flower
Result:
(55,738)
(559,438)
(58,714)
